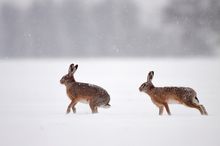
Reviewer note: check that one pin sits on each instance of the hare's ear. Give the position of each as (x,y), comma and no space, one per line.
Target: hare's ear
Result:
(71,68)
(150,76)
(75,67)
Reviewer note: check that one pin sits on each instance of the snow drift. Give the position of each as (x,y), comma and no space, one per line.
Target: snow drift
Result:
(33,103)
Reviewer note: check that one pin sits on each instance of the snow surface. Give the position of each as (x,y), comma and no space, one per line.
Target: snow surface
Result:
(33,103)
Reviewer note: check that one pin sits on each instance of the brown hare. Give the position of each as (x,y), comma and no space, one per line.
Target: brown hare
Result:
(162,96)
(94,95)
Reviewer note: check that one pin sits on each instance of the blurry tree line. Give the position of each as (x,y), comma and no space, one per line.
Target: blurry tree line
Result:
(198,23)
(73,28)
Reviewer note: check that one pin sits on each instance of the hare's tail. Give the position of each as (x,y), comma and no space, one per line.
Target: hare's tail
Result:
(106,106)
(197,99)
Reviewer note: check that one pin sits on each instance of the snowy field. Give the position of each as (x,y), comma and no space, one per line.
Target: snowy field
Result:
(33,103)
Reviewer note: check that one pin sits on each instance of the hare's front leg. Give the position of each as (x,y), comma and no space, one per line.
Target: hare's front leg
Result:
(167,108)
(71,105)
(160,110)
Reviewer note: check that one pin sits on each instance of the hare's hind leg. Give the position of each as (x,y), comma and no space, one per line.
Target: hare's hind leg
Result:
(204,110)
(197,106)
(71,105)
(200,107)
(93,107)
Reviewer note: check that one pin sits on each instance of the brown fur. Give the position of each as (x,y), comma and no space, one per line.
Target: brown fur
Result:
(162,96)
(94,95)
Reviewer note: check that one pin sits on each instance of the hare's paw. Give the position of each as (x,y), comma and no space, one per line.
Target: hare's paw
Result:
(74,110)
(68,111)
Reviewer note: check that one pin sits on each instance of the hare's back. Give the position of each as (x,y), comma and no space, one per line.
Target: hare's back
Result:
(180,93)
(86,89)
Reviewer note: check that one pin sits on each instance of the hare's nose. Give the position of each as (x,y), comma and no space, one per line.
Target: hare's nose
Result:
(140,88)
(61,81)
